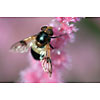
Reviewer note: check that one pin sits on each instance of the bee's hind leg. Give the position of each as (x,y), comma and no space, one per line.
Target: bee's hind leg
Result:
(51,46)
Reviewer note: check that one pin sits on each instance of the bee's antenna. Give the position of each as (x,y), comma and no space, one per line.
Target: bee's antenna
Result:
(58,36)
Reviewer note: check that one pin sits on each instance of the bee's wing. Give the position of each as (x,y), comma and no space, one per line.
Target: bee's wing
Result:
(46,61)
(23,45)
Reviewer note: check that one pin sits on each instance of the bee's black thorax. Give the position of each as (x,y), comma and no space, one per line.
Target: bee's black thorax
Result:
(42,39)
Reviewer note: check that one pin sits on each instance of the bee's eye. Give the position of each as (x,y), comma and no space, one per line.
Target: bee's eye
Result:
(43,28)
(49,32)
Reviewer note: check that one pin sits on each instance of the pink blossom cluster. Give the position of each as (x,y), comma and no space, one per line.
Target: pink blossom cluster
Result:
(34,73)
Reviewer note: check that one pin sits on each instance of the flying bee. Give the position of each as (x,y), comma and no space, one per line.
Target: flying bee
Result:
(39,46)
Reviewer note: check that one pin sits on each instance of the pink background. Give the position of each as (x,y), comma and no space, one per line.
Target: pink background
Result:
(84,52)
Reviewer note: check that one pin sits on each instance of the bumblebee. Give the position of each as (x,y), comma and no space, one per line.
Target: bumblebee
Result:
(39,46)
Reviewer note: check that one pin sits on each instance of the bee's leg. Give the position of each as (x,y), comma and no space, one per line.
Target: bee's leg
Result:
(58,36)
(46,61)
(48,57)
(44,65)
(47,65)
(51,46)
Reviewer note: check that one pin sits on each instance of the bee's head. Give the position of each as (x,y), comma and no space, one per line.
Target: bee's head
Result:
(48,30)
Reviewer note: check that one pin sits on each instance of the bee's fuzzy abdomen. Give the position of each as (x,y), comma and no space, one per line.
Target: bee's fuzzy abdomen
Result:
(35,55)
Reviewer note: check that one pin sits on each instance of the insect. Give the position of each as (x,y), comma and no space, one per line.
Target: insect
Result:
(39,46)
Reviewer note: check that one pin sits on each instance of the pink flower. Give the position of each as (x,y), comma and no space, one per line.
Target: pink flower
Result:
(34,73)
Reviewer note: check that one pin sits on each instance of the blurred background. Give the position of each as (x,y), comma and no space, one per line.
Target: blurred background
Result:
(84,52)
